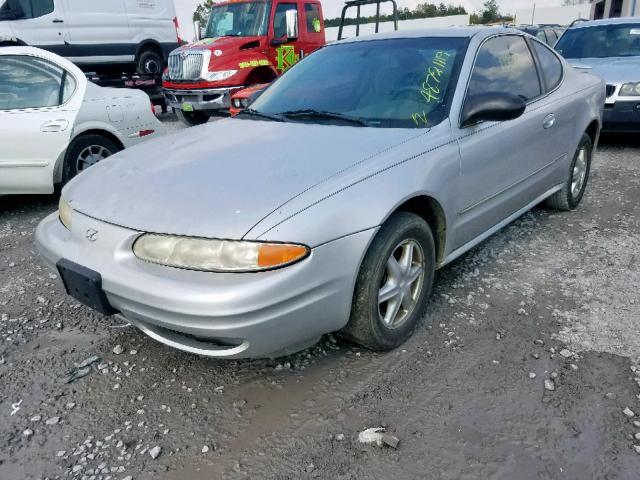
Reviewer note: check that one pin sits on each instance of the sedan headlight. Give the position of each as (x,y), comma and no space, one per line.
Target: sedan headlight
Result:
(218,76)
(630,90)
(64,212)
(211,255)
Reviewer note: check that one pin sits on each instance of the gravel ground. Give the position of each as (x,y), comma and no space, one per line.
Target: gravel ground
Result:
(524,368)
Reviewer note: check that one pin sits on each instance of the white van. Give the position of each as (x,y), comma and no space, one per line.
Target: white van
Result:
(95,33)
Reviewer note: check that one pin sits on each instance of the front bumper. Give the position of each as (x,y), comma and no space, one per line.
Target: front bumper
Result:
(200,100)
(622,116)
(211,314)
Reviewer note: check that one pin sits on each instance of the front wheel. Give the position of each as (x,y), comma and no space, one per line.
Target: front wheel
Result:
(394,281)
(577,178)
(84,152)
(191,119)
(149,62)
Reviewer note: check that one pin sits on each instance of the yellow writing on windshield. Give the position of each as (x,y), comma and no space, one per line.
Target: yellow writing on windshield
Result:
(430,88)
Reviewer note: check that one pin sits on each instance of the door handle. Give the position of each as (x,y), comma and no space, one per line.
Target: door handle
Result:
(57,20)
(54,126)
(549,121)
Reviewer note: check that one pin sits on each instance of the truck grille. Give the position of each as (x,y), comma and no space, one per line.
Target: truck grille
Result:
(185,66)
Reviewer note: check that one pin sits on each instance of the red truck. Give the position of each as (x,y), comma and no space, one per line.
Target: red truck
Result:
(246,42)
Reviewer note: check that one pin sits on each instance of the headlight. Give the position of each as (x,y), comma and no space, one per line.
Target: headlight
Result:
(64,212)
(210,255)
(218,76)
(630,90)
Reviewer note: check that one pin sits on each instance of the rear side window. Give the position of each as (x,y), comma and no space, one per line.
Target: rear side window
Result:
(312,13)
(29,82)
(550,65)
(551,37)
(505,64)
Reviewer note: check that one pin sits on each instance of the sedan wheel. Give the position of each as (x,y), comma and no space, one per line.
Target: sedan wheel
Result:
(90,156)
(393,284)
(402,284)
(84,152)
(569,197)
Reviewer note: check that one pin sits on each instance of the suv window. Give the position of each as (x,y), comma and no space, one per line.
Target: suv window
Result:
(505,64)
(550,65)
(312,12)
(29,82)
(280,19)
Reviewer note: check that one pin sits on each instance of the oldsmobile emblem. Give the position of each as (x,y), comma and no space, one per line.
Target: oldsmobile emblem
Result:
(91,235)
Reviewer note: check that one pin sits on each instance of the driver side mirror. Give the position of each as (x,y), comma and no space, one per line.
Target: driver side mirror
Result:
(291,19)
(492,107)
(198,30)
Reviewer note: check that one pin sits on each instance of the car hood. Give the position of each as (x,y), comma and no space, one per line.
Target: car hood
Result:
(219,180)
(612,69)
(225,45)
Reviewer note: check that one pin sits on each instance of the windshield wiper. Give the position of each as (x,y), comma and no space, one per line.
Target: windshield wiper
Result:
(250,112)
(322,115)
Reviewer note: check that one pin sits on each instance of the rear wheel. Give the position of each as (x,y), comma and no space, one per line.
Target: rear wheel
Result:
(149,62)
(84,152)
(577,178)
(394,281)
(193,118)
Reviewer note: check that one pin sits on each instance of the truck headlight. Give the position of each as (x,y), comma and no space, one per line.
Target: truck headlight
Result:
(212,255)
(218,76)
(65,212)
(630,90)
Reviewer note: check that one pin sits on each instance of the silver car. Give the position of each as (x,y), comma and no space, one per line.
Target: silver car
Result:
(610,49)
(330,203)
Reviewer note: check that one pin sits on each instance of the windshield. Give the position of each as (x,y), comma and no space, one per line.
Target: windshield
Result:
(402,83)
(620,40)
(243,19)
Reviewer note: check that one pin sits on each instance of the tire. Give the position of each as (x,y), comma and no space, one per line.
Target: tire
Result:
(85,151)
(149,62)
(192,119)
(571,194)
(371,324)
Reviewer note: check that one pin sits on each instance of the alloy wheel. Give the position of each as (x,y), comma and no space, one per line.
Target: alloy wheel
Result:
(401,284)
(579,173)
(90,156)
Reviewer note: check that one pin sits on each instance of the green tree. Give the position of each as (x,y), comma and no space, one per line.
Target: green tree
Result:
(491,11)
(202,12)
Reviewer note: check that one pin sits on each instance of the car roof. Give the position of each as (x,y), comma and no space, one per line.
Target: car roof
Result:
(607,21)
(449,32)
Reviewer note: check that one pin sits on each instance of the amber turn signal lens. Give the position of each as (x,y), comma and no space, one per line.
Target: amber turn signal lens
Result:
(275,255)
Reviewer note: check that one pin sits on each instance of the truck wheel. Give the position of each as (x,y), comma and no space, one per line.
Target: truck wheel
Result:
(192,119)
(393,284)
(150,63)
(85,151)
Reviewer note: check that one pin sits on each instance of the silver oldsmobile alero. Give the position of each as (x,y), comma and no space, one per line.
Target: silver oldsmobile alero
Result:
(330,203)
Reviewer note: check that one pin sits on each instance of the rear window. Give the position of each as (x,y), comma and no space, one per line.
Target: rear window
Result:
(550,64)
(312,13)
(619,40)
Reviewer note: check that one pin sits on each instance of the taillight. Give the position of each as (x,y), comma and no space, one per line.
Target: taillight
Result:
(153,108)
(177,25)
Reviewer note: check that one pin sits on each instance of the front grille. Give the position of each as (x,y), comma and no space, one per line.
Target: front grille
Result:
(185,66)
(611,89)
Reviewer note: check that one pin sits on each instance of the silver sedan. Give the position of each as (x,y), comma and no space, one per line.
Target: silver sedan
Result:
(330,203)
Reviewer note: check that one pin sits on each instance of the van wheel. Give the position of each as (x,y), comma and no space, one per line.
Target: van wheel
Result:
(192,119)
(84,152)
(393,284)
(577,178)
(149,62)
